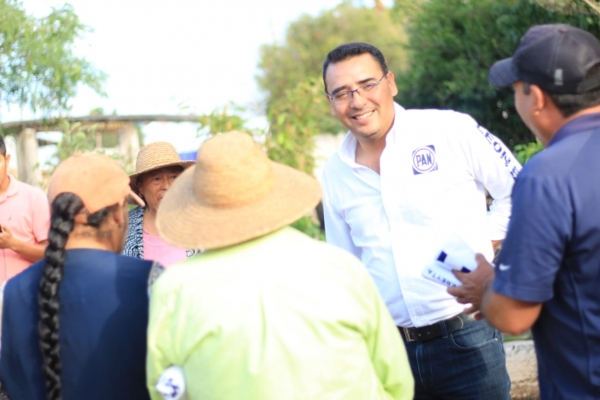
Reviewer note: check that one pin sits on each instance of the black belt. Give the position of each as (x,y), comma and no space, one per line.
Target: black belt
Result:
(436,330)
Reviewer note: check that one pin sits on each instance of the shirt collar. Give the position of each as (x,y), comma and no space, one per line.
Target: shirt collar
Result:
(11,190)
(347,152)
(580,124)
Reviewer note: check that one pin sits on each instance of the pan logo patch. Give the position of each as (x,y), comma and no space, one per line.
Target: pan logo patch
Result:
(423,160)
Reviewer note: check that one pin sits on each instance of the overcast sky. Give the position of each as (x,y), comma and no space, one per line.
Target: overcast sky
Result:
(161,55)
(176,56)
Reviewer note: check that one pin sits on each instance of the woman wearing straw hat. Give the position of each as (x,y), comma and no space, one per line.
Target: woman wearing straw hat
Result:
(74,323)
(157,166)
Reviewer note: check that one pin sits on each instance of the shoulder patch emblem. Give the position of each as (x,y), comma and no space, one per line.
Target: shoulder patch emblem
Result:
(423,160)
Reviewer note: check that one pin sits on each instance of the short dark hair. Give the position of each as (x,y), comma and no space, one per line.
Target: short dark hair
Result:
(349,50)
(570,104)
(2,146)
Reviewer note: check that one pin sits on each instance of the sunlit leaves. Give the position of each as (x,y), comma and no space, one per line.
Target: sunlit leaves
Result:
(453,44)
(299,57)
(37,65)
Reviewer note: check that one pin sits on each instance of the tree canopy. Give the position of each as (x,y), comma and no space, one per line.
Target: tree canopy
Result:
(297,61)
(453,44)
(38,67)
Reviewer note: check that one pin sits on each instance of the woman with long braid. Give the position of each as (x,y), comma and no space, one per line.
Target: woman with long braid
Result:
(74,324)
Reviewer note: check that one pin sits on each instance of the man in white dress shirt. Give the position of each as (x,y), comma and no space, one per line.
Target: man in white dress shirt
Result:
(402,183)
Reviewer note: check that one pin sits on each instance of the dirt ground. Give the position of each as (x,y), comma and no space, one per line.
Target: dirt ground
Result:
(522,369)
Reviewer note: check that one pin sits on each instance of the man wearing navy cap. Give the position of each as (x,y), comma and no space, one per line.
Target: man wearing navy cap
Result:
(547,275)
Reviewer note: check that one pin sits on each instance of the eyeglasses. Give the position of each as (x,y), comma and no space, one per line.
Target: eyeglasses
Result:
(346,95)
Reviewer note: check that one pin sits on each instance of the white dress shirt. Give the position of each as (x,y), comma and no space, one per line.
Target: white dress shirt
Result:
(434,172)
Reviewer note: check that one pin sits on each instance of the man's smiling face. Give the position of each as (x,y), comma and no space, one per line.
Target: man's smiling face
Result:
(369,116)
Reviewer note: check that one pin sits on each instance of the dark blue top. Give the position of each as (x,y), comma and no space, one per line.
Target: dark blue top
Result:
(551,255)
(103,321)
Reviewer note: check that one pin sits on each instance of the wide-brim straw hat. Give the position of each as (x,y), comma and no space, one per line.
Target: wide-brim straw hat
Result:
(155,156)
(233,194)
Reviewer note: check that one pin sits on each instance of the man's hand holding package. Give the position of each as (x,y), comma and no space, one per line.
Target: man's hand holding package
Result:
(473,286)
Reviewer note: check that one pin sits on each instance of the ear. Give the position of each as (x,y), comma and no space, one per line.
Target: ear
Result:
(7,158)
(331,105)
(392,83)
(538,99)
(119,215)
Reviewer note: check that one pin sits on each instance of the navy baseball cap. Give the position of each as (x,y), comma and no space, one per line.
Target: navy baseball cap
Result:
(554,57)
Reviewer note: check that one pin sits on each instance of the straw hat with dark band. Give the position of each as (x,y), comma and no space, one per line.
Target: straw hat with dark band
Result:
(234,193)
(154,156)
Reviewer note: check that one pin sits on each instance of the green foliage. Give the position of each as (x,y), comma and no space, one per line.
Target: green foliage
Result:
(97,111)
(308,226)
(291,136)
(223,119)
(76,138)
(290,139)
(81,138)
(37,65)
(453,44)
(299,59)
(569,6)
(527,150)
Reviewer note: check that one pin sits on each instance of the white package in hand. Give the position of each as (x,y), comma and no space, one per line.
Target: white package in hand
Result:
(454,254)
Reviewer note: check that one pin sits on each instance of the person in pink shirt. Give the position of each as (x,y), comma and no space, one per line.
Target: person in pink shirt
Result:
(24,221)
(157,166)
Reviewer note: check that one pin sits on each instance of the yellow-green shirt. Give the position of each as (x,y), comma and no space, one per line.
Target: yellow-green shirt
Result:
(280,317)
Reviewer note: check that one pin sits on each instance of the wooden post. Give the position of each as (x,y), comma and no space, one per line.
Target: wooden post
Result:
(98,140)
(27,154)
(129,146)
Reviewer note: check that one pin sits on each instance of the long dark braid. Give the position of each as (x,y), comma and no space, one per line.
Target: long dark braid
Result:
(64,209)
